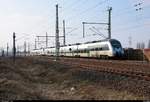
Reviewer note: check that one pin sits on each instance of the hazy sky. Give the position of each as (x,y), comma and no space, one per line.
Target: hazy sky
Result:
(29,18)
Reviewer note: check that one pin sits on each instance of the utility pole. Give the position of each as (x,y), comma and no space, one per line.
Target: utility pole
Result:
(3,53)
(7,49)
(130,42)
(28,48)
(83,29)
(57,34)
(18,50)
(14,47)
(38,42)
(109,23)
(64,31)
(25,48)
(35,44)
(46,40)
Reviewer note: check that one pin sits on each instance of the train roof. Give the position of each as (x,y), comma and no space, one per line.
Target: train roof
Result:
(90,42)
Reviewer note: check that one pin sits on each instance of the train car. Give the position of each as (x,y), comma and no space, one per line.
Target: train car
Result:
(36,52)
(96,49)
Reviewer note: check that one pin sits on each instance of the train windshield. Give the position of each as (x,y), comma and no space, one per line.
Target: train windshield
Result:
(115,44)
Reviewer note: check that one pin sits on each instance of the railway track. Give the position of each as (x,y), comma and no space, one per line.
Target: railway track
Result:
(115,64)
(136,70)
(134,74)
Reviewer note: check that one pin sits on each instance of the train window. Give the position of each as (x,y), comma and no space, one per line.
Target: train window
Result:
(115,43)
(91,49)
(76,51)
(82,51)
(97,49)
(79,51)
(70,49)
(85,51)
(106,47)
(100,49)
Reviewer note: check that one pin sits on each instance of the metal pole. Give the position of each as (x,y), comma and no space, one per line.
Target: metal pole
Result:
(83,30)
(18,50)
(143,55)
(14,47)
(28,48)
(64,31)
(25,48)
(35,44)
(38,42)
(57,33)
(46,40)
(109,23)
(3,53)
(7,49)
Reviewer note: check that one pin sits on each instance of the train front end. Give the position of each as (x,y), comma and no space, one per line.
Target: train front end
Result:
(117,48)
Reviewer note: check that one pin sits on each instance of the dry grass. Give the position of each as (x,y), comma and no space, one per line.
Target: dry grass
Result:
(37,78)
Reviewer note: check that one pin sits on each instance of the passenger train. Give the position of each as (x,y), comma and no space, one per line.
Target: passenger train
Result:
(97,49)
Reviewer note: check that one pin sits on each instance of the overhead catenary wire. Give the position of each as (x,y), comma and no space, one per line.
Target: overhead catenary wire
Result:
(71,19)
(87,10)
(98,33)
(74,5)
(81,12)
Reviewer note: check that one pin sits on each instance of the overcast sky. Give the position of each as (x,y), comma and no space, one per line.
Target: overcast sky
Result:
(29,18)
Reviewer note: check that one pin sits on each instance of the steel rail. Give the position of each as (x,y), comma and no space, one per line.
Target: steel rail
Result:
(135,74)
